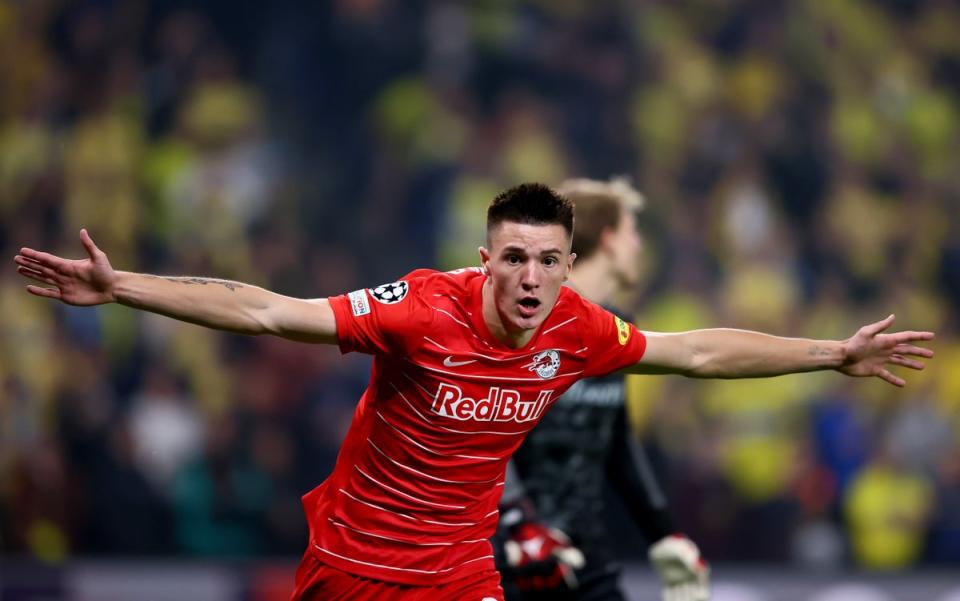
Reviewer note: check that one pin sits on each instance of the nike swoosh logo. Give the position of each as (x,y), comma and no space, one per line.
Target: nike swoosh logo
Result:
(449,362)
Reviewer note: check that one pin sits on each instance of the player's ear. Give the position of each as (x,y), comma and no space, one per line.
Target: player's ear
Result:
(570,259)
(484,259)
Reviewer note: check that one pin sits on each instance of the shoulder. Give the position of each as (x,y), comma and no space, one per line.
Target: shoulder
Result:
(410,285)
(570,302)
(458,282)
(422,285)
(610,343)
(594,318)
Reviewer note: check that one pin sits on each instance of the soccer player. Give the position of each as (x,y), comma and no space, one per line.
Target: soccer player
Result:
(554,540)
(465,365)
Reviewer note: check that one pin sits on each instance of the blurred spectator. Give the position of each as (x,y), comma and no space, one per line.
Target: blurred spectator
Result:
(165,427)
(888,508)
(944,542)
(221,498)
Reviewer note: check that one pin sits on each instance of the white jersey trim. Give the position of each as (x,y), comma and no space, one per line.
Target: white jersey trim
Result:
(466,376)
(436,344)
(531,352)
(428,449)
(410,517)
(403,494)
(424,474)
(377,565)
(464,324)
(406,542)
(561,324)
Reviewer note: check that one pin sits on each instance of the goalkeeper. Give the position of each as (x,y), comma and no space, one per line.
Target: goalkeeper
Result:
(552,543)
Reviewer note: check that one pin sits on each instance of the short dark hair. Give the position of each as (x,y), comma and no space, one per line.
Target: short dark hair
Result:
(530,203)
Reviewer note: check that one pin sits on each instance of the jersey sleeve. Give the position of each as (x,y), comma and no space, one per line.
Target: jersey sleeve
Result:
(612,343)
(380,320)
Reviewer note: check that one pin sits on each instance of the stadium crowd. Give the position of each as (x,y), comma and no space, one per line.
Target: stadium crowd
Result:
(801,165)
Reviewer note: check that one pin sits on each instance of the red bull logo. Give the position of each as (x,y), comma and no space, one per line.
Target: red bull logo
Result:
(500,405)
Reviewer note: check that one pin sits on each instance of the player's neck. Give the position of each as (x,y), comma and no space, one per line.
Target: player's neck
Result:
(593,281)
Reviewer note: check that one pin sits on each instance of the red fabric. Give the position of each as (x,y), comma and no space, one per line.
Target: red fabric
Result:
(319,582)
(413,497)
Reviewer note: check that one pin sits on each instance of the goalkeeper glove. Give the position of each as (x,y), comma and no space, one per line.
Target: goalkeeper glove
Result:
(541,557)
(684,574)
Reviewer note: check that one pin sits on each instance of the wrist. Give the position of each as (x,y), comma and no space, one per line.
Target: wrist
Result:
(828,354)
(844,352)
(120,289)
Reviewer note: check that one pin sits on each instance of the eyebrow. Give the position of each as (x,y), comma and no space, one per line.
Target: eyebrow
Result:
(519,249)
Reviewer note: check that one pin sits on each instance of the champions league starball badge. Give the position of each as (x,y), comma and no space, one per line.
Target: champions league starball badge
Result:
(389,294)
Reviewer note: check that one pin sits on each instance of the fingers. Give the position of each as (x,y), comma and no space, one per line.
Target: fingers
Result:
(88,244)
(884,374)
(875,328)
(36,275)
(37,266)
(909,349)
(901,337)
(45,292)
(45,259)
(34,266)
(901,360)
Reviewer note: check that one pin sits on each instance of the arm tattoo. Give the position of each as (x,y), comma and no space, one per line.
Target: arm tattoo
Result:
(816,351)
(231,286)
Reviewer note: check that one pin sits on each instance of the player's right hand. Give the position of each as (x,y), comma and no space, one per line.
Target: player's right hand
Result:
(76,282)
(683,572)
(542,558)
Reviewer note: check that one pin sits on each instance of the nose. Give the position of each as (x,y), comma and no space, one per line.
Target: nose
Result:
(530,279)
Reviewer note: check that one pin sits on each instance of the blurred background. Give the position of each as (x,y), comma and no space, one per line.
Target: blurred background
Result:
(801,161)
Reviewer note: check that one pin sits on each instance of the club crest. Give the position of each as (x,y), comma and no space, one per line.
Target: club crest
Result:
(546,364)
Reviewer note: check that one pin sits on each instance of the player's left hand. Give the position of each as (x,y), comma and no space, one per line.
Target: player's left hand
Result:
(684,574)
(869,351)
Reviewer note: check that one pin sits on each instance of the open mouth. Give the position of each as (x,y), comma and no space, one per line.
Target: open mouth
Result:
(528,306)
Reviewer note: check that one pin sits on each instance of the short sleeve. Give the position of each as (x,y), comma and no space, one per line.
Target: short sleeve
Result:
(612,343)
(379,320)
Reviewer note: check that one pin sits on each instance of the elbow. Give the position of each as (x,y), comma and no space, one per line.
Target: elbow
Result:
(257,321)
(701,363)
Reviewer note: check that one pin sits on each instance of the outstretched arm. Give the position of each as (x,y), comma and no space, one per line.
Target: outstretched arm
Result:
(727,353)
(219,304)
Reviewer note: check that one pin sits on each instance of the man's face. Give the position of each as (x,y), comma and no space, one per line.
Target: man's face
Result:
(625,244)
(527,265)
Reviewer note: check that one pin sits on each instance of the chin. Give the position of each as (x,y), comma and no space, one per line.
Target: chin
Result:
(528,323)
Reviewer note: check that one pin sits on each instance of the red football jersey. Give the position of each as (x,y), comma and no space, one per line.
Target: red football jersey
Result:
(413,497)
